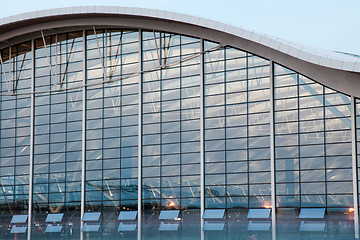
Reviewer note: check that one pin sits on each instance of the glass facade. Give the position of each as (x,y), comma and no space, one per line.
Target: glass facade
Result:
(15,129)
(57,127)
(312,143)
(139,114)
(171,122)
(237,132)
(111,121)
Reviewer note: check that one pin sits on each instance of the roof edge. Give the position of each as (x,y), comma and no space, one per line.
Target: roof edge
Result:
(318,57)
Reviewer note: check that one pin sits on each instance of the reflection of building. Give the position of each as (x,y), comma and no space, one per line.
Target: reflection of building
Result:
(213,114)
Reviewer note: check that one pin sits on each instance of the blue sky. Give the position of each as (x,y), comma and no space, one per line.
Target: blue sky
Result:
(327,24)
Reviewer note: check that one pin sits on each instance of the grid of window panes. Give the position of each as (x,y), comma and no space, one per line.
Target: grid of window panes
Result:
(15,129)
(237,129)
(171,122)
(57,124)
(312,143)
(312,127)
(58,127)
(111,120)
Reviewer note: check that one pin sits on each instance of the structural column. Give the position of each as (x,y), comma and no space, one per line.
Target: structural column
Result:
(140,136)
(354,167)
(83,148)
(32,116)
(202,141)
(272,152)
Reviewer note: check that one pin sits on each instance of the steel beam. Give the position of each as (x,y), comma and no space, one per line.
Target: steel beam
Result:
(49,61)
(6,78)
(100,55)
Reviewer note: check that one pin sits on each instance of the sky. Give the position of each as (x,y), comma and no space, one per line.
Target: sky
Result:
(326,24)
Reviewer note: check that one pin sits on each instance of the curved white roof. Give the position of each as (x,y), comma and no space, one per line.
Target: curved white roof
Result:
(320,57)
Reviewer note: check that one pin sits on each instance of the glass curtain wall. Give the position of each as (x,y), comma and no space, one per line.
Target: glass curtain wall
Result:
(171,122)
(312,148)
(313,143)
(312,130)
(15,131)
(111,123)
(237,129)
(58,130)
(171,128)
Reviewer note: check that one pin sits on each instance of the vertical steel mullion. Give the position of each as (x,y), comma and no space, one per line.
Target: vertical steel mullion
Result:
(325,147)
(298,137)
(247,130)
(161,113)
(202,140)
(120,84)
(10,70)
(83,147)
(32,115)
(272,152)
(181,128)
(58,78)
(225,134)
(354,167)
(105,54)
(140,136)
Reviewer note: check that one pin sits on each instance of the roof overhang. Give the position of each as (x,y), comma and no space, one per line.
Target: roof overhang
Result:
(339,74)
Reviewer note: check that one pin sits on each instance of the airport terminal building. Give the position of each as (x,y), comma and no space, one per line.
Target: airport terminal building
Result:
(112,118)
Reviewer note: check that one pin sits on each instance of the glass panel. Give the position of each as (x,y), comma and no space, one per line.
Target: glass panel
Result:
(259,213)
(127,215)
(125,227)
(169,214)
(19,219)
(54,217)
(259,226)
(18,229)
(168,226)
(312,213)
(213,226)
(91,216)
(214,213)
(53,229)
(312,226)
(91,227)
